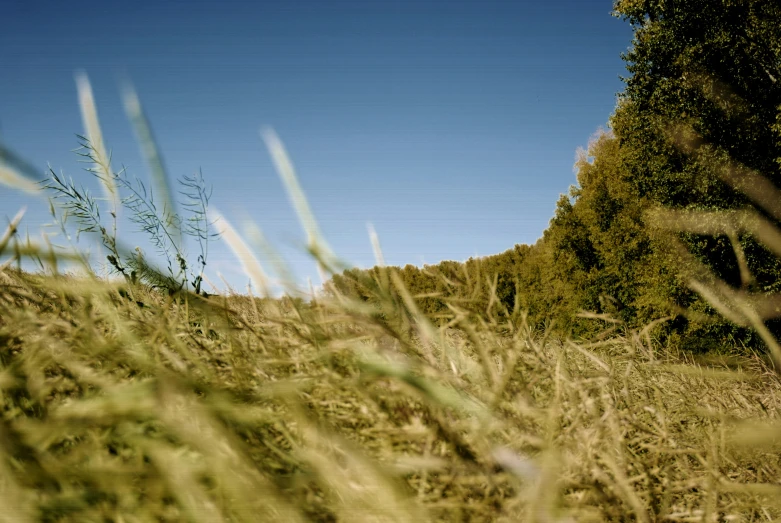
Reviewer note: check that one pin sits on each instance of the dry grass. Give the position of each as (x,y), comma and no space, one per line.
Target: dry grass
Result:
(233,409)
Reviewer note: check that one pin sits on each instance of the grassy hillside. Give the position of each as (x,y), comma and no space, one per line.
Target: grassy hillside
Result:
(126,404)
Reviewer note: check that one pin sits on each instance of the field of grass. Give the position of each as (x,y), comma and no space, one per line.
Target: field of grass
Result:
(127,404)
(123,404)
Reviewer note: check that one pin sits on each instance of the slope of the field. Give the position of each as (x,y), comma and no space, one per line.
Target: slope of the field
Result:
(119,404)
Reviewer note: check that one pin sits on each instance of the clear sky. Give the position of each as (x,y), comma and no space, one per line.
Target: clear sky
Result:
(450,125)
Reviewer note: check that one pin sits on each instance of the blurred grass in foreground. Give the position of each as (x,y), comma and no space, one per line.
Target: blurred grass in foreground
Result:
(122,403)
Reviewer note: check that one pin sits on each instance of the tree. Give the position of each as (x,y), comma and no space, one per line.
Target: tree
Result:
(713,69)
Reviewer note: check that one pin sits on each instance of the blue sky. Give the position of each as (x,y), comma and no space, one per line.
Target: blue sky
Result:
(450,125)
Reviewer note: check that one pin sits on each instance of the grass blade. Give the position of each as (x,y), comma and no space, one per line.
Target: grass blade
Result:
(315,240)
(89,116)
(161,182)
(249,262)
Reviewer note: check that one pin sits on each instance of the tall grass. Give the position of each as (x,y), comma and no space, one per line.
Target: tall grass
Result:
(124,403)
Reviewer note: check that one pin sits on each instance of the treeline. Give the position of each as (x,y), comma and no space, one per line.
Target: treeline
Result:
(699,118)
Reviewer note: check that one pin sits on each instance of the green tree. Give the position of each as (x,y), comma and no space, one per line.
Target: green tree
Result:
(711,66)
